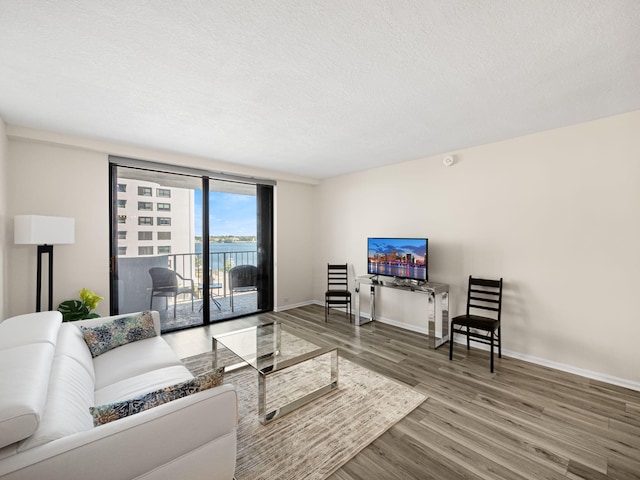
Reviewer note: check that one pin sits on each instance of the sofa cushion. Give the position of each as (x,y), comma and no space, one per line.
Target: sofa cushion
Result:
(24,379)
(133,359)
(113,411)
(71,344)
(139,384)
(118,332)
(41,327)
(66,411)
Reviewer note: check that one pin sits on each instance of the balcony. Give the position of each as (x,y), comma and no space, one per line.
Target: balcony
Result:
(134,287)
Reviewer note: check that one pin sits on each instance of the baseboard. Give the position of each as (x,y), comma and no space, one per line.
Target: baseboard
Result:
(620,382)
(282,308)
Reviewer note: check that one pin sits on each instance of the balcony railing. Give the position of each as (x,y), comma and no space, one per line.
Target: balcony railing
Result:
(189,265)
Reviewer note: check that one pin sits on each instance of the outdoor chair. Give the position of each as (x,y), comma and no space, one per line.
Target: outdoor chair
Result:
(168,283)
(242,278)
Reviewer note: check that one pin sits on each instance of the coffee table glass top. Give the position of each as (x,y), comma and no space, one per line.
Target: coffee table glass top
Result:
(266,347)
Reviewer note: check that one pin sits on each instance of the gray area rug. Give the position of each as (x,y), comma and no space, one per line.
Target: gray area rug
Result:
(315,440)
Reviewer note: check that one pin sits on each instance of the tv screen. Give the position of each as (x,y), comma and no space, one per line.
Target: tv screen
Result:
(398,257)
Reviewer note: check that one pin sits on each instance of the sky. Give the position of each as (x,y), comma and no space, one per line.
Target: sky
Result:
(230,214)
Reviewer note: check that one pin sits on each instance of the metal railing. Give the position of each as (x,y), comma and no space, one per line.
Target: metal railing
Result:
(189,265)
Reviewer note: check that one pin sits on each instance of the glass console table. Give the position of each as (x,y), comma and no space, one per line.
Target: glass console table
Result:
(437,298)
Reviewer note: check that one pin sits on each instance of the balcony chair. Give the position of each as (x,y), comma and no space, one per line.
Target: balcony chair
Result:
(337,294)
(485,295)
(165,284)
(242,278)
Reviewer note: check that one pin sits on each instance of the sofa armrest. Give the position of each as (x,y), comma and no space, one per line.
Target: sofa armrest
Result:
(92,322)
(135,445)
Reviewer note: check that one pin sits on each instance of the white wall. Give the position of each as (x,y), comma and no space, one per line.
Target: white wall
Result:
(554,213)
(52,174)
(295,244)
(66,182)
(3,219)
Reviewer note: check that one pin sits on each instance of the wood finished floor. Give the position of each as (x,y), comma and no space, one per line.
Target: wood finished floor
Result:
(524,421)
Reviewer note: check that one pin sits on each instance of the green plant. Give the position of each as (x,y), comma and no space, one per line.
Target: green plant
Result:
(80,309)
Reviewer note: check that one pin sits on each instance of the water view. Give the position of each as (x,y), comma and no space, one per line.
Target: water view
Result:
(230,254)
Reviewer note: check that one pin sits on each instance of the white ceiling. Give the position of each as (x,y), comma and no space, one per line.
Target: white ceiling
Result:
(311,87)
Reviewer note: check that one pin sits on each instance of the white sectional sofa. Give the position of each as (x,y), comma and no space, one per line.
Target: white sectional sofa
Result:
(49,381)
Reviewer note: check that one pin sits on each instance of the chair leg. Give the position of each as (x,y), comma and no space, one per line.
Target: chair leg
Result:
(491,351)
(468,343)
(326,311)
(451,344)
(231,300)
(499,343)
(175,302)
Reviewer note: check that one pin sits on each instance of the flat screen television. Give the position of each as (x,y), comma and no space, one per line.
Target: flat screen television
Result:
(398,257)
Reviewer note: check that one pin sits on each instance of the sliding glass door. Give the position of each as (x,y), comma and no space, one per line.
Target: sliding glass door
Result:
(187,245)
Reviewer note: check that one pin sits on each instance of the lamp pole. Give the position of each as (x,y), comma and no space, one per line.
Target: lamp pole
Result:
(42,249)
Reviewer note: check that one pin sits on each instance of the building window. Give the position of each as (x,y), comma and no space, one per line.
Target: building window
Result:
(122,218)
(145,250)
(145,235)
(164,207)
(122,251)
(122,203)
(164,235)
(145,205)
(122,234)
(145,191)
(164,250)
(145,220)
(163,192)
(122,187)
(164,221)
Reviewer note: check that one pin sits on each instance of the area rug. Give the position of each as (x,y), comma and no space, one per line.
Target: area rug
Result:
(315,440)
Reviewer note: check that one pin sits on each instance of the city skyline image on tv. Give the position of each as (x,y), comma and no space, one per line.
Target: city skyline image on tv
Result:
(398,257)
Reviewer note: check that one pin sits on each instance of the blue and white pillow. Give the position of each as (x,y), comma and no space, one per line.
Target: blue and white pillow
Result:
(113,411)
(117,332)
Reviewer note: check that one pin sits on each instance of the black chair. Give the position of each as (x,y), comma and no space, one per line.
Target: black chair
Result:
(486,295)
(165,284)
(337,294)
(243,278)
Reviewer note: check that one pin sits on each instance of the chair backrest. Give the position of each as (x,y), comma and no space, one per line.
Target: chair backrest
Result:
(243,276)
(337,277)
(163,279)
(484,294)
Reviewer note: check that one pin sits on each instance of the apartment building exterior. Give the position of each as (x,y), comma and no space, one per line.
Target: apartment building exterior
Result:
(153,220)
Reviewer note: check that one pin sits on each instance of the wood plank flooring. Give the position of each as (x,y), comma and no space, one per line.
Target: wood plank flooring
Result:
(524,421)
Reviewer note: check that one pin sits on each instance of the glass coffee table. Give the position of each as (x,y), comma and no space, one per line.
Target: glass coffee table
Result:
(291,370)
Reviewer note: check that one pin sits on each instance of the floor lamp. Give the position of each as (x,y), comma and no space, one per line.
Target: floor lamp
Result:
(45,232)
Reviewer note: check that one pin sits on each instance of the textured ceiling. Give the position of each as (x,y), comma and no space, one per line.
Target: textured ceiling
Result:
(315,88)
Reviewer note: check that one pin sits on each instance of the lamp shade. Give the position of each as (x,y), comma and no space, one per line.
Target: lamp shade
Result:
(43,230)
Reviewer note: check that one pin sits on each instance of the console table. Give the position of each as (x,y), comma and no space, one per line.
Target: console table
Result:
(437,298)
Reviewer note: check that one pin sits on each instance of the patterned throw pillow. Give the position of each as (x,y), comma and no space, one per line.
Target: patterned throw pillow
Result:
(120,331)
(113,411)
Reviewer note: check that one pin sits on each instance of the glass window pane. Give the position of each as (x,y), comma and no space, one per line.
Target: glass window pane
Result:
(172,240)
